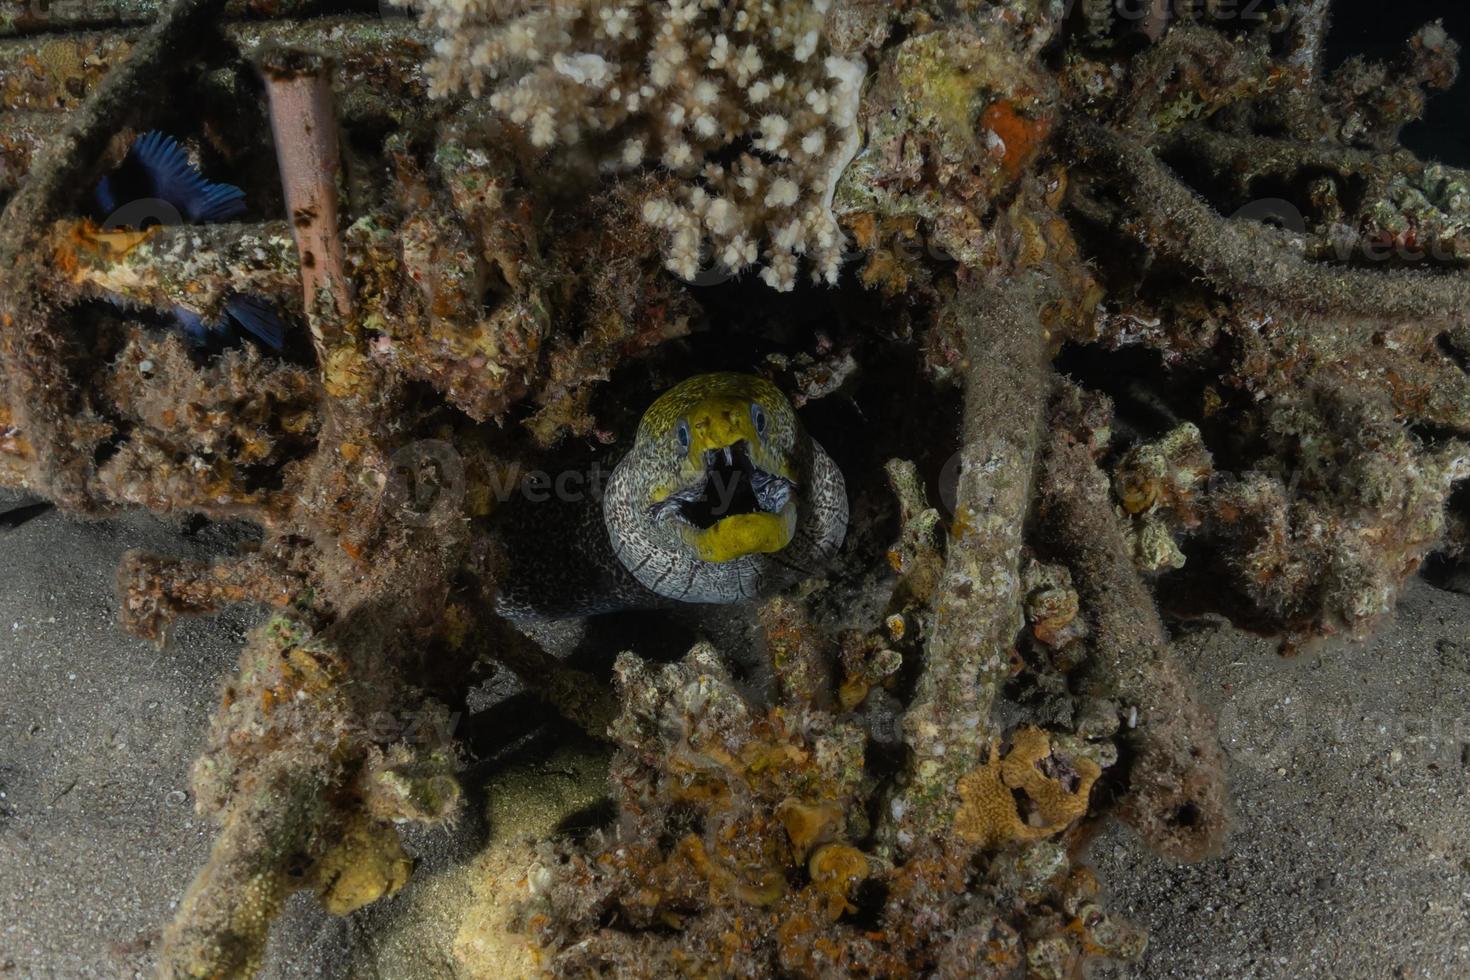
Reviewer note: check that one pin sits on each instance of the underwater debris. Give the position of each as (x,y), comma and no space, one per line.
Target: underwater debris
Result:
(734,851)
(977,599)
(485,280)
(304,130)
(1176,798)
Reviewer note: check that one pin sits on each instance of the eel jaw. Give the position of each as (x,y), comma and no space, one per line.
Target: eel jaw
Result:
(733,508)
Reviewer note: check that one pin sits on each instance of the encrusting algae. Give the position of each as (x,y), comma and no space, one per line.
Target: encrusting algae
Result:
(1097,322)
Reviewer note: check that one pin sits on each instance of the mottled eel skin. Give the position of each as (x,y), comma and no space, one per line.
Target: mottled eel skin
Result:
(723,497)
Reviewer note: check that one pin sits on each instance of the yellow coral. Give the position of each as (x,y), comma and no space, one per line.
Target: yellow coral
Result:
(836,869)
(990,812)
(367,864)
(808,824)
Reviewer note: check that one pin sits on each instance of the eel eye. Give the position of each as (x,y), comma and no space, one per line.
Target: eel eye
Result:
(758,416)
(681,432)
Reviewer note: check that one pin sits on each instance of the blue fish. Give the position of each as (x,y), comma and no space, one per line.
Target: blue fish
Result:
(156,184)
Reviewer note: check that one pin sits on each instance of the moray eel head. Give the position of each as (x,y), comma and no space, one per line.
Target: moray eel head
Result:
(723,448)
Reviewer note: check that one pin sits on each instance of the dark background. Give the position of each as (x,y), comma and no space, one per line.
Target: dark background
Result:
(1378,29)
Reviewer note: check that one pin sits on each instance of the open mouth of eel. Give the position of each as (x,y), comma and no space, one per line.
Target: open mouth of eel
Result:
(733,508)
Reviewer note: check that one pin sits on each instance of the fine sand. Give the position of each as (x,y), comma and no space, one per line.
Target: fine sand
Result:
(1350,772)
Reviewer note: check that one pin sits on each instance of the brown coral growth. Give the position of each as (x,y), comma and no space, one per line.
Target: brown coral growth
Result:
(1112,321)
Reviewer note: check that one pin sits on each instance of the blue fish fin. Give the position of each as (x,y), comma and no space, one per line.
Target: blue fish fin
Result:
(259,317)
(103,197)
(176,181)
(193,325)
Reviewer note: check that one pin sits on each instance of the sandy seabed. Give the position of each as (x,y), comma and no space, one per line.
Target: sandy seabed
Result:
(1349,766)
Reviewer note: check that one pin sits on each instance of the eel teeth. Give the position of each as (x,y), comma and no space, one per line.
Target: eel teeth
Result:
(671,505)
(771,492)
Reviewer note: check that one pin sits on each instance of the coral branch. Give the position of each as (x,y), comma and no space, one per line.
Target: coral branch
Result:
(191,266)
(223,921)
(798,655)
(304,127)
(977,604)
(576,695)
(1249,259)
(1244,157)
(1306,40)
(1176,794)
(315,752)
(157,590)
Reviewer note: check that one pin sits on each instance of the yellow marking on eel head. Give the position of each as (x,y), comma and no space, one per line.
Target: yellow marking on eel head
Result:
(718,421)
(743,534)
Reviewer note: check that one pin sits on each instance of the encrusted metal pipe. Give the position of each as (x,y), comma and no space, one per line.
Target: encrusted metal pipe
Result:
(192,266)
(304,127)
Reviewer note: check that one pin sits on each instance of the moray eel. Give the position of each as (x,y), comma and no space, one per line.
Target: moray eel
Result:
(723,497)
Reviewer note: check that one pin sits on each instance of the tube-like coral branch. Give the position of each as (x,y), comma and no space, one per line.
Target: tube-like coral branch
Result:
(1246,258)
(1306,39)
(157,590)
(222,924)
(1176,794)
(304,126)
(977,613)
(317,749)
(1245,157)
(193,266)
(576,695)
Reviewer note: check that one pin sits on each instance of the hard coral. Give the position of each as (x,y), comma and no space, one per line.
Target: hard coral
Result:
(683,83)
